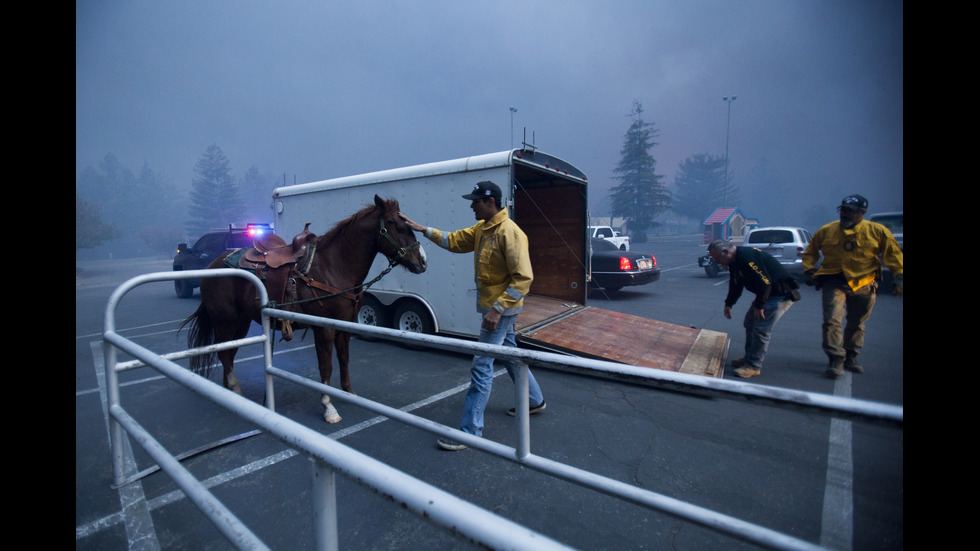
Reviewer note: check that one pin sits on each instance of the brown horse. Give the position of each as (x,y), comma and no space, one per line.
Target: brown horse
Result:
(341,261)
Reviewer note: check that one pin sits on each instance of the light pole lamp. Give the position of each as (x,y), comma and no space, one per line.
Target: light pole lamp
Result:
(512,111)
(728,132)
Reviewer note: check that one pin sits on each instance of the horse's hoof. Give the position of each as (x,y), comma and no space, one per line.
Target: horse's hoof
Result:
(330,414)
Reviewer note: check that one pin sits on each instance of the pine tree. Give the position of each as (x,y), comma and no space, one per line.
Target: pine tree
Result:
(90,230)
(256,190)
(215,201)
(700,184)
(641,194)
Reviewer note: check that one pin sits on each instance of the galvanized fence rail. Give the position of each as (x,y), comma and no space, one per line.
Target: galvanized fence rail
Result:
(330,457)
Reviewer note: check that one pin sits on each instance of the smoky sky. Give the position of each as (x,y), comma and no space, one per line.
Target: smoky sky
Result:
(311,90)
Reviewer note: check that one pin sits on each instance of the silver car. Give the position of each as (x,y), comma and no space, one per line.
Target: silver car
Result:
(894,222)
(786,244)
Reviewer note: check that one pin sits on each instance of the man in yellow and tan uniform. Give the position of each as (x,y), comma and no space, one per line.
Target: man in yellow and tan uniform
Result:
(502,268)
(853,251)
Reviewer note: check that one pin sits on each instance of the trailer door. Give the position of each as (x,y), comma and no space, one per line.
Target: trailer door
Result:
(602,334)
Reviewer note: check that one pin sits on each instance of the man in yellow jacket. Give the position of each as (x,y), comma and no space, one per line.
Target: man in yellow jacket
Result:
(503,274)
(853,251)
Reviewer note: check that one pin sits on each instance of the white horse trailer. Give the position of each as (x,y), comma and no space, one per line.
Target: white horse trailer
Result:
(548,198)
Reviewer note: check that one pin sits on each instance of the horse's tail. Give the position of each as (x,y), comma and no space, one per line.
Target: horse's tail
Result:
(201,334)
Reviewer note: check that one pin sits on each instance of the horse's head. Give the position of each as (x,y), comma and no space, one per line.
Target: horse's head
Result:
(396,240)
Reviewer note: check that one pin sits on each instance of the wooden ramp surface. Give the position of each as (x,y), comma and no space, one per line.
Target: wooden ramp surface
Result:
(603,334)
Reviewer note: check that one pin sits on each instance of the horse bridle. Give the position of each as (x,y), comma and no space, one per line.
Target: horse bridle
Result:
(400,251)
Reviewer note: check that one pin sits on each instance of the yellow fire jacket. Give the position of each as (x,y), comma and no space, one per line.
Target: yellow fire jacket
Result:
(501,263)
(858,253)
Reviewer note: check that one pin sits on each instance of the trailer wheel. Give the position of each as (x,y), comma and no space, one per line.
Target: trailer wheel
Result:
(712,270)
(373,313)
(412,316)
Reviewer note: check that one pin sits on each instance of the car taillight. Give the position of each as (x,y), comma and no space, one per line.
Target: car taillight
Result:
(799,252)
(625,264)
(654,260)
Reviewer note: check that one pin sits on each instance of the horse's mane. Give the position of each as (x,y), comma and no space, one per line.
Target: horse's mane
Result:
(344,226)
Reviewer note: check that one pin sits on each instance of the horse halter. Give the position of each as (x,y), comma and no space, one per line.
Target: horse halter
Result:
(400,251)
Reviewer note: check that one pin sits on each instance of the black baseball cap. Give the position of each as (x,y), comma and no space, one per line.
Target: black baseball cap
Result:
(484,189)
(855,202)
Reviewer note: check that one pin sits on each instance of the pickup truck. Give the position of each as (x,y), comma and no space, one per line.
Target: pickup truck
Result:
(622,242)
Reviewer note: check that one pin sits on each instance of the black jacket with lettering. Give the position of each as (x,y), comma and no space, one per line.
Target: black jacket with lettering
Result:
(760,273)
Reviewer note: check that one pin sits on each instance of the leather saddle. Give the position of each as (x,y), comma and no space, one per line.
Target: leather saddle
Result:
(274,252)
(273,260)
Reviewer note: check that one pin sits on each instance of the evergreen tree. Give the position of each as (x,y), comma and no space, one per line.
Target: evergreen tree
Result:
(640,194)
(160,201)
(700,185)
(90,230)
(215,201)
(129,203)
(256,190)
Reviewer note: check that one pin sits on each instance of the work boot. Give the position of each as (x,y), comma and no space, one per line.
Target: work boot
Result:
(836,368)
(531,409)
(738,363)
(748,371)
(851,364)
(451,445)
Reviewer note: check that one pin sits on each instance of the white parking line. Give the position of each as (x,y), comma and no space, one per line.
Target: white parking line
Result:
(132,501)
(837,523)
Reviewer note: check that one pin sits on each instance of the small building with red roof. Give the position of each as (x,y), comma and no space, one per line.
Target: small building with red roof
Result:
(727,223)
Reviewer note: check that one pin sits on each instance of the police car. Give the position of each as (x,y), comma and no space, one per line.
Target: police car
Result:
(209,247)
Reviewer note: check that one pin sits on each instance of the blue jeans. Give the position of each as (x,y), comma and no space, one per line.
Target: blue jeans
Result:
(481,377)
(758,332)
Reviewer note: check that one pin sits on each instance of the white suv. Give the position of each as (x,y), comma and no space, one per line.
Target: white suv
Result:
(785,244)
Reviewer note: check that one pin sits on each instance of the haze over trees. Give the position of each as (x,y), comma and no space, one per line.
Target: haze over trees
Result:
(90,230)
(119,213)
(127,201)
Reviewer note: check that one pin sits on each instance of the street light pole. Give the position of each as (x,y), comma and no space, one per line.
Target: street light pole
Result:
(728,132)
(512,111)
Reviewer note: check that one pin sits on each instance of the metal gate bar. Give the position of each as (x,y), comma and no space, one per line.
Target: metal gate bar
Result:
(419,497)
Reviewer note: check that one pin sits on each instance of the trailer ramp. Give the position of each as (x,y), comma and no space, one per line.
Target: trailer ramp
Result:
(592,332)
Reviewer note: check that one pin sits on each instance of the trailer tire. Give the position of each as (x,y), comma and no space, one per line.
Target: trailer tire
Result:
(373,313)
(712,270)
(413,317)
